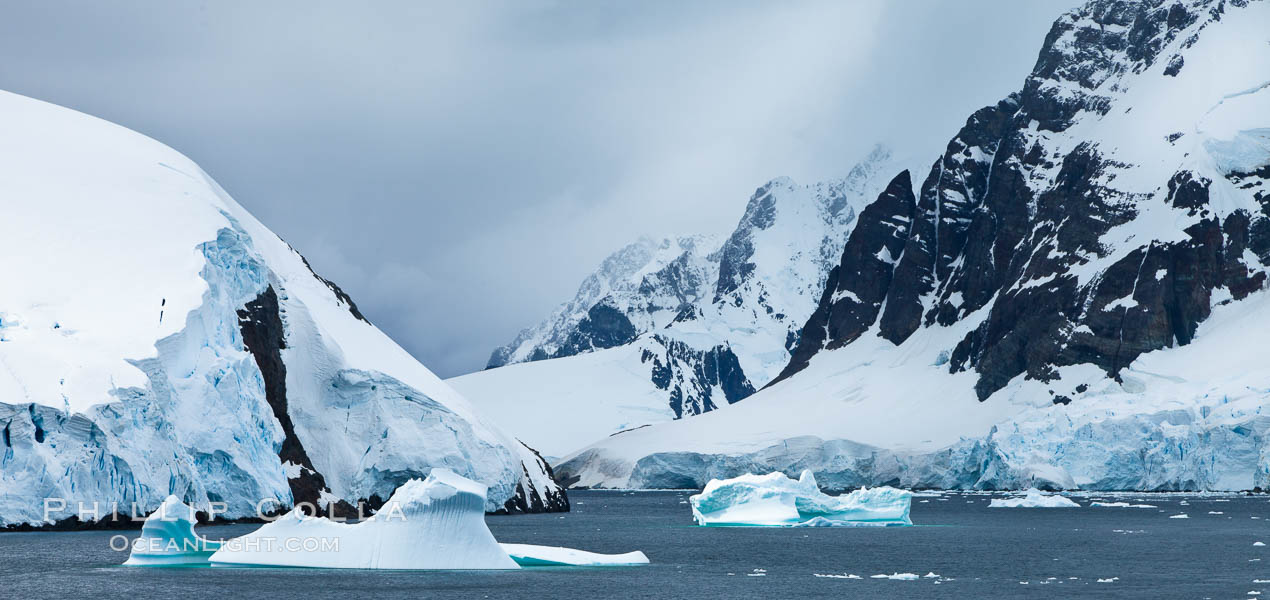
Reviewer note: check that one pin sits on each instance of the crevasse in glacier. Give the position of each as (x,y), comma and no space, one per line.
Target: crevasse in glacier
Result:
(776,500)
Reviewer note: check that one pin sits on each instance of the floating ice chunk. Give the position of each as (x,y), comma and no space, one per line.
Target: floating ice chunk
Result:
(896,576)
(1258,543)
(1121,505)
(528,555)
(837,576)
(1034,499)
(437,523)
(777,500)
(168,538)
(1181,516)
(931,575)
(1109,580)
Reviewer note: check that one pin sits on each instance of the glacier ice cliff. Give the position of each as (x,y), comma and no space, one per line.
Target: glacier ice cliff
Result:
(167,343)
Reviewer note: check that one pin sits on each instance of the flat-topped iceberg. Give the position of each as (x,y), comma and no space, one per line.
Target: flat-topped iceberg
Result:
(436,523)
(776,500)
(528,555)
(1034,498)
(168,538)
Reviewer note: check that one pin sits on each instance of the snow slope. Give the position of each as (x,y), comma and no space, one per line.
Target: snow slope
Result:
(677,328)
(1075,298)
(157,339)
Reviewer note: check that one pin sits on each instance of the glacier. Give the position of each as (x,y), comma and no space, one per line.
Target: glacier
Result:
(168,539)
(777,500)
(167,343)
(435,523)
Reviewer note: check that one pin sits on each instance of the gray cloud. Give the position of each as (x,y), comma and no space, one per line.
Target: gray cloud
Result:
(460,167)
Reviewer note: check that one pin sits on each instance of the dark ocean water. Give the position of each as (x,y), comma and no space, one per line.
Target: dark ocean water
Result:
(976,551)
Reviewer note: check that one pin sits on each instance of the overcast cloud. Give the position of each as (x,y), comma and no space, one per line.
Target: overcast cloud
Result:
(459,167)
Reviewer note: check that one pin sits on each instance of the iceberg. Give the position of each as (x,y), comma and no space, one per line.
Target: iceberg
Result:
(168,538)
(436,523)
(529,555)
(1034,498)
(776,500)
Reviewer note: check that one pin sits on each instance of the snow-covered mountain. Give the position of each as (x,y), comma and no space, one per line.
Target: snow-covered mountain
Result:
(1076,295)
(676,328)
(157,339)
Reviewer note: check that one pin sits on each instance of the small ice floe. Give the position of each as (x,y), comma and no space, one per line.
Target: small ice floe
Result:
(1184,503)
(1258,543)
(757,573)
(837,576)
(1120,505)
(529,555)
(1261,580)
(1109,580)
(896,576)
(1034,498)
(168,538)
(777,500)
(1254,593)
(1216,512)
(931,575)
(1180,516)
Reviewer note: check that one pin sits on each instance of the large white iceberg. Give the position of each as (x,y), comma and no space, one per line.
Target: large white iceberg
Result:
(168,538)
(776,500)
(436,523)
(1034,498)
(528,555)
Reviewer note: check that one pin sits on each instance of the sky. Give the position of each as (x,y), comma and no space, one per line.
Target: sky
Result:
(460,167)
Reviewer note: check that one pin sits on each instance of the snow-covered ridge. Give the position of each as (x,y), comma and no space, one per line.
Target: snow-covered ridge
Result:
(1072,298)
(157,339)
(639,288)
(668,329)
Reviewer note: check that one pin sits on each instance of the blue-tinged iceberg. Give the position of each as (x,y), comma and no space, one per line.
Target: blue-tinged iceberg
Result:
(777,500)
(168,538)
(436,523)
